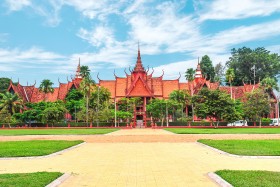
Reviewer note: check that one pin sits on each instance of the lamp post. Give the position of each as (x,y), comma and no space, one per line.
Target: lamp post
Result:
(277,107)
(98,106)
(115,113)
(75,114)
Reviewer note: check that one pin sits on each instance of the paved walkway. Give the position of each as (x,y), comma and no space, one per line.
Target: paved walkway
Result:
(139,164)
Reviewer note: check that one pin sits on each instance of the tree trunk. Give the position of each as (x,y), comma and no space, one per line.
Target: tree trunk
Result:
(87,112)
(260,122)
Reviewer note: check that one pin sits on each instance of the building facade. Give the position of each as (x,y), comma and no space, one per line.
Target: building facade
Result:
(138,83)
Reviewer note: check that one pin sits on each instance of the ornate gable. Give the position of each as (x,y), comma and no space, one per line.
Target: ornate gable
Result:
(139,88)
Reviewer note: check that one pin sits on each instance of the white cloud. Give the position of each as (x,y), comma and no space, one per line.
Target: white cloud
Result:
(237,9)
(97,9)
(15,5)
(98,36)
(32,55)
(221,42)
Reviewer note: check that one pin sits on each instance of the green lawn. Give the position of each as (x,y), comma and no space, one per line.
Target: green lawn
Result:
(39,179)
(16,132)
(34,147)
(246,147)
(250,178)
(224,130)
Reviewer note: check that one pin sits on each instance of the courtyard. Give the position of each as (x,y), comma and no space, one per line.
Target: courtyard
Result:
(139,157)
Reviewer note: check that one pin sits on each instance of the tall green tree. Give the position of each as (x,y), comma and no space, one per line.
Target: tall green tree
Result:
(85,72)
(10,102)
(4,84)
(215,105)
(52,115)
(229,78)
(189,74)
(256,105)
(252,65)
(87,86)
(219,72)
(207,68)
(74,102)
(183,98)
(46,86)
(160,109)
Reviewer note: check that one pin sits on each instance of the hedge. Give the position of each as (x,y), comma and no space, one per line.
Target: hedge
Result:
(123,124)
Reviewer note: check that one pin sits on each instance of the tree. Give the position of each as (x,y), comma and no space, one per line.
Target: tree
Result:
(74,102)
(4,84)
(219,72)
(85,72)
(215,105)
(207,68)
(46,87)
(182,98)
(159,109)
(87,85)
(252,65)
(256,105)
(229,78)
(269,84)
(10,102)
(52,115)
(189,74)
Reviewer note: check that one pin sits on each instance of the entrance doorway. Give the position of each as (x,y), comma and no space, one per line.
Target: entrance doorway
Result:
(139,121)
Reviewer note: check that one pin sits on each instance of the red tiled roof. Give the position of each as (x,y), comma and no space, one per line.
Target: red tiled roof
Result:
(169,86)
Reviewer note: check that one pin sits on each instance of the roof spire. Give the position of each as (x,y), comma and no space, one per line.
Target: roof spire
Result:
(198,73)
(78,71)
(139,67)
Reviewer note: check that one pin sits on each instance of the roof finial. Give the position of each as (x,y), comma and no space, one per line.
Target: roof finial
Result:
(78,71)
(139,67)
(197,60)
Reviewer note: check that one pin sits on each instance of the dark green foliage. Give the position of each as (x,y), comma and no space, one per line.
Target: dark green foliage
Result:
(189,74)
(215,104)
(4,84)
(10,102)
(250,178)
(37,179)
(46,86)
(207,68)
(243,61)
(256,105)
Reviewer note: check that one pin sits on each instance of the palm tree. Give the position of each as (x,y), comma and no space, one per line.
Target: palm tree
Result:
(85,72)
(46,87)
(269,84)
(10,102)
(189,74)
(86,86)
(229,77)
(181,97)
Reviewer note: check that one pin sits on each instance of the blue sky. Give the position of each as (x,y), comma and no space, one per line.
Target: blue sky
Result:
(43,39)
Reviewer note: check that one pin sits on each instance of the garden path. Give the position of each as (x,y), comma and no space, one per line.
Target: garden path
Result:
(140,162)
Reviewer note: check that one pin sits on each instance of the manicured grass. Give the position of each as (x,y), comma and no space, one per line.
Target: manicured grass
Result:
(250,178)
(224,130)
(16,132)
(34,147)
(246,147)
(39,179)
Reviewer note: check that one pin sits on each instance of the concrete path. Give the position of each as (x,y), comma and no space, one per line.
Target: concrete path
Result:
(139,164)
